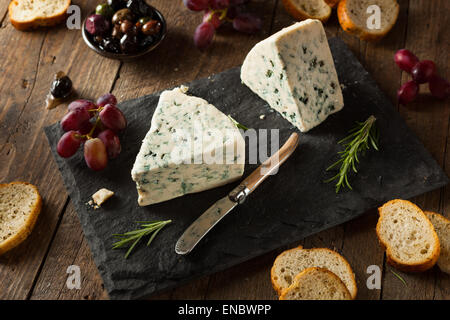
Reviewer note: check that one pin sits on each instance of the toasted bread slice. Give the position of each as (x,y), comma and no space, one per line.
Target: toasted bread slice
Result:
(442,227)
(332,3)
(20,205)
(316,284)
(291,262)
(408,236)
(308,9)
(353,17)
(30,14)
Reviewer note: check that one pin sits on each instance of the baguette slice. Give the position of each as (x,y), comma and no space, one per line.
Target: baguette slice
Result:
(308,9)
(291,262)
(20,205)
(408,236)
(30,14)
(316,284)
(442,227)
(353,17)
(332,3)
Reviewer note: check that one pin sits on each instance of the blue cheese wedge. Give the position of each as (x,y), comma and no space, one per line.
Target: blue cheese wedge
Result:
(191,147)
(293,70)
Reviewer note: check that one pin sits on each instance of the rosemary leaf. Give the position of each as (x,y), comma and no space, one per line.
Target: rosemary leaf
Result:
(237,124)
(399,277)
(147,228)
(360,139)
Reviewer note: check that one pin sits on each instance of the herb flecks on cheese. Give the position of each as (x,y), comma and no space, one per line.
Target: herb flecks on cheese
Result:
(293,70)
(191,146)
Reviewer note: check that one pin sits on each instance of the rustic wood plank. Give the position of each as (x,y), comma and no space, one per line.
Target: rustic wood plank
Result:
(68,248)
(429,119)
(61,50)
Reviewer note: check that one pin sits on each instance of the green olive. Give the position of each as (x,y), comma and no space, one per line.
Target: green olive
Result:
(104,10)
(122,15)
(144,20)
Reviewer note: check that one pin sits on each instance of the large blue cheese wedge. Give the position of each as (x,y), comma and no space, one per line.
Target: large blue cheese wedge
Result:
(191,147)
(293,71)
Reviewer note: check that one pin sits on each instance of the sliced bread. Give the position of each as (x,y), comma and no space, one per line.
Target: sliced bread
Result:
(20,205)
(408,236)
(442,227)
(308,9)
(316,284)
(332,3)
(353,17)
(31,14)
(291,262)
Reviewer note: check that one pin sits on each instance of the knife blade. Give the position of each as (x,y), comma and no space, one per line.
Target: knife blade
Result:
(200,227)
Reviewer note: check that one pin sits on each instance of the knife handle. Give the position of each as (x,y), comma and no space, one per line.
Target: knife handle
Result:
(265,170)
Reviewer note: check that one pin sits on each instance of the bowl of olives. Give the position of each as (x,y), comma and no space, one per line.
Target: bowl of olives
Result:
(124,29)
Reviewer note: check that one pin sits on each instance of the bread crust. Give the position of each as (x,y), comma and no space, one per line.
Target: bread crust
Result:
(279,290)
(38,21)
(407,267)
(311,269)
(26,229)
(332,3)
(301,15)
(442,264)
(349,26)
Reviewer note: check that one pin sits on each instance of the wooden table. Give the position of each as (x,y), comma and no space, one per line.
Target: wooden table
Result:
(37,269)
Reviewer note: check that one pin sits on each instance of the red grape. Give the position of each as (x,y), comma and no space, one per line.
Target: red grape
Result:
(204,35)
(113,118)
(85,127)
(95,154)
(111,142)
(213,18)
(82,104)
(247,23)
(407,92)
(107,98)
(68,144)
(219,4)
(75,119)
(233,12)
(440,88)
(423,71)
(196,5)
(405,59)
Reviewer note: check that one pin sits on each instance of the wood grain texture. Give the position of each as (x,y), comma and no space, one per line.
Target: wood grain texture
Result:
(37,268)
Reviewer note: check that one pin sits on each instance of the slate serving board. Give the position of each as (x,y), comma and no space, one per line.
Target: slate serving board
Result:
(287,207)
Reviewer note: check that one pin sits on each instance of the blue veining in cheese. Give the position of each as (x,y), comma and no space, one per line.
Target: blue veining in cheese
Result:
(293,70)
(191,146)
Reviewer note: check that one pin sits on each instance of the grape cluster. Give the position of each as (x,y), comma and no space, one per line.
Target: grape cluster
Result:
(216,13)
(96,125)
(422,72)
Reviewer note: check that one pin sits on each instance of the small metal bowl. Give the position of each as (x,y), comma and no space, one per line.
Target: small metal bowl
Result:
(125,56)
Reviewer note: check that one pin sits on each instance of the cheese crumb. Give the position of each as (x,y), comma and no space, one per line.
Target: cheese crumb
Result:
(184,89)
(101,196)
(262,117)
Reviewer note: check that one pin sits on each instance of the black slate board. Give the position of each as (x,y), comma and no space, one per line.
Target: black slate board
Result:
(287,207)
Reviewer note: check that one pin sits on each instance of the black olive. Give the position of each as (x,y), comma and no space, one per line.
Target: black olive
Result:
(116,4)
(61,87)
(129,43)
(147,41)
(111,45)
(140,8)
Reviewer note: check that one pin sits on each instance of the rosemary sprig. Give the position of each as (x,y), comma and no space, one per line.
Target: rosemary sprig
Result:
(237,124)
(360,139)
(133,237)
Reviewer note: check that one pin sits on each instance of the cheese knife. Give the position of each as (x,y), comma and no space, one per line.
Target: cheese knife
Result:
(200,227)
